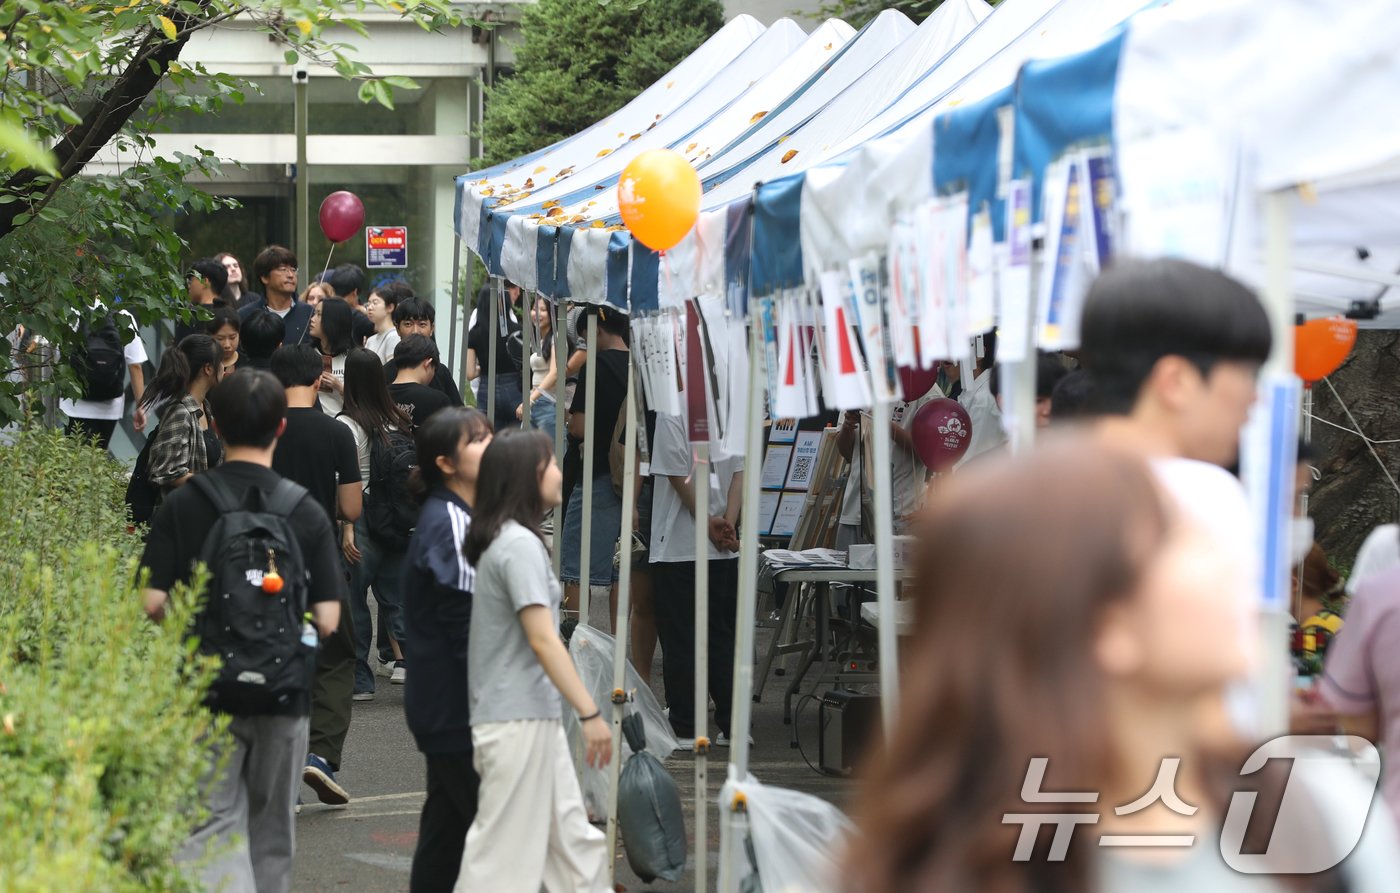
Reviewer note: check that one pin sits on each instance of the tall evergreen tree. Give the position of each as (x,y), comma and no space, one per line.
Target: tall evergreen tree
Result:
(581,60)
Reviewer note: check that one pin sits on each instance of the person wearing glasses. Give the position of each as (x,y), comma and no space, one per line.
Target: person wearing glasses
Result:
(276,268)
(204,283)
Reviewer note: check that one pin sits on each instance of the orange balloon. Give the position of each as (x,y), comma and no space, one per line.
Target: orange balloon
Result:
(659,196)
(1321,345)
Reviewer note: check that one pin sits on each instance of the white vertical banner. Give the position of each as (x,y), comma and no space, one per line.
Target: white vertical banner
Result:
(1268,460)
(904,309)
(812,311)
(1066,272)
(874,333)
(666,380)
(1015,313)
(850,386)
(790,398)
(981,273)
(933,313)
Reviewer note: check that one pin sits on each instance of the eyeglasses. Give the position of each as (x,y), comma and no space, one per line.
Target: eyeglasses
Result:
(285,268)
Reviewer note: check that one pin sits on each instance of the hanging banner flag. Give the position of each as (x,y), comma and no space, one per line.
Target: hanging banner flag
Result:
(641,346)
(766,320)
(812,310)
(850,384)
(981,274)
(1102,189)
(903,259)
(874,333)
(1063,277)
(736,385)
(696,377)
(806,336)
(666,374)
(790,400)
(1015,311)
(933,314)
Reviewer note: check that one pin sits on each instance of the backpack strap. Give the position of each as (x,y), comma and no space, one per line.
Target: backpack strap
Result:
(285,497)
(217,492)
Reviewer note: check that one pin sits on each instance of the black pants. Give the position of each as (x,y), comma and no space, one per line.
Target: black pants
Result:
(442,830)
(99,430)
(673,588)
(331,692)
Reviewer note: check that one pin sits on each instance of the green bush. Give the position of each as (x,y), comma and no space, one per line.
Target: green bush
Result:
(103,740)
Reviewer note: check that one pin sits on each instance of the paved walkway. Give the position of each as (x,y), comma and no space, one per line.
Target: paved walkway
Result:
(368,846)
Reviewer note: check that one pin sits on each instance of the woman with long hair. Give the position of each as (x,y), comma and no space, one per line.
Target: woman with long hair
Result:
(543,370)
(331,327)
(374,419)
(236,292)
(184,444)
(437,589)
(518,668)
(1085,661)
(224,327)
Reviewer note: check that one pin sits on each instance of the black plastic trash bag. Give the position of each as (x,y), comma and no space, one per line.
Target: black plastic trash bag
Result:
(649,814)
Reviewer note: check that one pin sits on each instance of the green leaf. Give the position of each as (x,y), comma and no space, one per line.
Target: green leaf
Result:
(400,82)
(291,57)
(19,151)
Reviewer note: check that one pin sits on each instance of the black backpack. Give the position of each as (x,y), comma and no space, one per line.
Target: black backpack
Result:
(100,362)
(142,496)
(389,513)
(267,667)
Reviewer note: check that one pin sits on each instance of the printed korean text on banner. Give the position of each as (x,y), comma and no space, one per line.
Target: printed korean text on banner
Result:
(849,383)
(874,333)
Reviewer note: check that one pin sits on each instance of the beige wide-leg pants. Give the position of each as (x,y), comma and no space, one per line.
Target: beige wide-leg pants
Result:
(531,831)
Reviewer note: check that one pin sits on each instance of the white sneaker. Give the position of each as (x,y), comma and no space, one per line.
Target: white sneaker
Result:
(399,674)
(384,668)
(722,740)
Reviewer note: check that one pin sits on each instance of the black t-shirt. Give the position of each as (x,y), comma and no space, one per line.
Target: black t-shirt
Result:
(611,390)
(186,516)
(442,382)
(419,401)
(510,346)
(319,453)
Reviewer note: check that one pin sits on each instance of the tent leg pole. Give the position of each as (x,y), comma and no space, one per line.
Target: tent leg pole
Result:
(1275,677)
(701,484)
(527,342)
(624,606)
(884,566)
(561,359)
(590,390)
(731,832)
(498,286)
(452,364)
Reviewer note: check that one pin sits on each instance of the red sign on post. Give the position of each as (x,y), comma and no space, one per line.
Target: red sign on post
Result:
(386,247)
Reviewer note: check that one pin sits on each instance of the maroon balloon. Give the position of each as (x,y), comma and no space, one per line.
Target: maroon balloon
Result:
(342,215)
(916,382)
(941,431)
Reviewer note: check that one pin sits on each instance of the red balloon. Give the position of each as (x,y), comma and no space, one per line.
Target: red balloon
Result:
(916,382)
(342,215)
(941,431)
(1322,345)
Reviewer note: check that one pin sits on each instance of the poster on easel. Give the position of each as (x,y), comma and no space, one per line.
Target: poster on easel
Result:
(789,513)
(775,466)
(767,511)
(804,460)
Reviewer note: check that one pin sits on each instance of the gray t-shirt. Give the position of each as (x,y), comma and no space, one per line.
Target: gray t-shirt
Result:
(506,680)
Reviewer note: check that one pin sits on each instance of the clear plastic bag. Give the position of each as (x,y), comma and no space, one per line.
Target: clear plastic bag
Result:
(592,651)
(795,840)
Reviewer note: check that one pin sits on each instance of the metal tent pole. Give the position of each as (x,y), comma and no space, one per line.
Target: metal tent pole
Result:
(527,375)
(590,392)
(884,565)
(561,360)
(735,814)
(497,289)
(701,478)
(1275,677)
(624,605)
(452,363)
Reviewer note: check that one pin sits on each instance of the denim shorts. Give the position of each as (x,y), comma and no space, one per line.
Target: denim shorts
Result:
(607,524)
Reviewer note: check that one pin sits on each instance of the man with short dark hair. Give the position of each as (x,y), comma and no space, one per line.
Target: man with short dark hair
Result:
(248,834)
(415,316)
(204,283)
(347,281)
(415,365)
(276,268)
(1173,351)
(319,453)
(260,334)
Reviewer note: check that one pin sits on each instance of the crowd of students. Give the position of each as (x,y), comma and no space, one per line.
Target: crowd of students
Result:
(1123,618)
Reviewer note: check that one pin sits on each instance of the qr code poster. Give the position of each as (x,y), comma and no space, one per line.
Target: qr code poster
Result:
(804,460)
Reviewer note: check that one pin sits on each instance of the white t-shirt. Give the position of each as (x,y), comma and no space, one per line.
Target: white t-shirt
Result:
(361,446)
(907,471)
(383,343)
(982,410)
(107,410)
(672,527)
(333,402)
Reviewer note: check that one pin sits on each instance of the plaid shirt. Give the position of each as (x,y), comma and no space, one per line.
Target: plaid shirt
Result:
(178,448)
